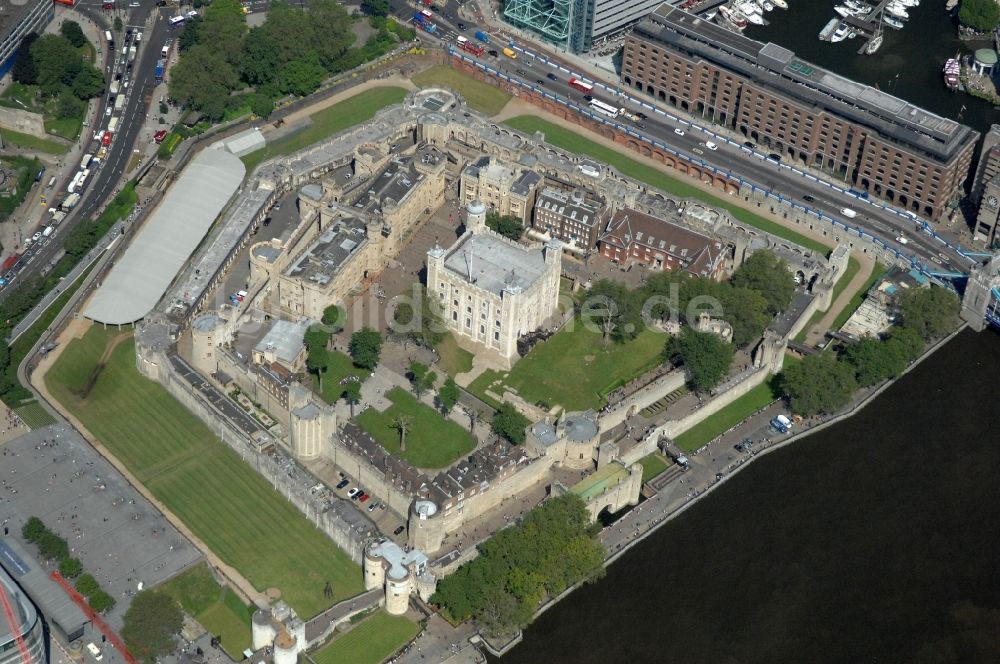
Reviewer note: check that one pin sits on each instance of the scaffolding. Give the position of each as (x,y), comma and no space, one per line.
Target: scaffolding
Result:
(550,19)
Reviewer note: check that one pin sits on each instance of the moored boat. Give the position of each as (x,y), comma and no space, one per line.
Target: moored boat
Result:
(897,10)
(840,34)
(951,72)
(874,45)
(893,22)
(780,4)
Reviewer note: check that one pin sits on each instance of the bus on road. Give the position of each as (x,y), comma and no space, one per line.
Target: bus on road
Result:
(604,109)
(582,86)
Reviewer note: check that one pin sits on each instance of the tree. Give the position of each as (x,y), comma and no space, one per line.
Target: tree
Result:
(101,601)
(615,309)
(402,423)
(260,57)
(261,105)
(375,7)
(118,24)
(448,396)
(421,378)
(910,343)
(366,348)
(70,106)
(87,585)
(73,33)
(475,417)
(223,29)
(509,423)
(70,568)
(507,225)
(768,275)
(747,311)
(980,15)
(706,356)
(431,328)
(930,312)
(52,547)
(874,360)
(302,77)
(818,384)
(352,394)
(24,70)
(151,623)
(56,61)
(188,38)
(317,359)
(33,529)
(334,318)
(88,82)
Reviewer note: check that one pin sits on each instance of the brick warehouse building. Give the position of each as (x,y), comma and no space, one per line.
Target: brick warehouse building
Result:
(877,142)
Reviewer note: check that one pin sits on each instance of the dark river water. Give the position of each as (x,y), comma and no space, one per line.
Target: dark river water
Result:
(876,540)
(908,64)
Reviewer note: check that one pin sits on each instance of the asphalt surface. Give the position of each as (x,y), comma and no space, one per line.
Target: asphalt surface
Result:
(102,183)
(905,234)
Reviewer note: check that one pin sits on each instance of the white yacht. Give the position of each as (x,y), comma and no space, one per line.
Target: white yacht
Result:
(840,34)
(897,10)
(780,4)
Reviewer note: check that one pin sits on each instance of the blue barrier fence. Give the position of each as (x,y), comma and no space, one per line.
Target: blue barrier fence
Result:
(858,231)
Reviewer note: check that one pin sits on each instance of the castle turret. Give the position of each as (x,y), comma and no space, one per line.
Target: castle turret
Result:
(374,569)
(425,529)
(285,649)
(397,593)
(475,217)
(207,334)
(263,630)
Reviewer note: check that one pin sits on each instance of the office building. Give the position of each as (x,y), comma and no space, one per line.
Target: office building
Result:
(803,113)
(577,25)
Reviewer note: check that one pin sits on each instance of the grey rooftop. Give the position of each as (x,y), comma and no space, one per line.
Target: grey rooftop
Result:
(494,264)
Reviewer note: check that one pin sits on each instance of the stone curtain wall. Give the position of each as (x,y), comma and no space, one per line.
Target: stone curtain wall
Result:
(23,121)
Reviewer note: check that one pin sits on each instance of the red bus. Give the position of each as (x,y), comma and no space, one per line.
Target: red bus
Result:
(581,86)
(10,262)
(473,48)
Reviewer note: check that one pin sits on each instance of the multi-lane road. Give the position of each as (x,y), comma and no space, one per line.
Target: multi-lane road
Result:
(102,184)
(700,141)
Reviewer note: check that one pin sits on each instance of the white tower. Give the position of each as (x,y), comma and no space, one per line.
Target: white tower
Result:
(475,217)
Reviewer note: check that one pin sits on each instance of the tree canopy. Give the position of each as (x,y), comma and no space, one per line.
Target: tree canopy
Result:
(818,384)
(73,33)
(554,547)
(507,225)
(980,15)
(151,623)
(317,359)
(448,396)
(366,348)
(706,356)
(874,360)
(57,68)
(429,329)
(509,423)
(930,312)
(421,377)
(615,308)
(768,275)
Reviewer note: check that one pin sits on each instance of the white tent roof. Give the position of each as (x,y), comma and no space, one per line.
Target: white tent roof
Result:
(168,238)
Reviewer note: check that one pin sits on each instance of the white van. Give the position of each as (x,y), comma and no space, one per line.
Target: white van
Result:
(95,651)
(848,212)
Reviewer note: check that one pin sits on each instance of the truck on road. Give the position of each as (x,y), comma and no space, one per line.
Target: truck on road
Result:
(158,74)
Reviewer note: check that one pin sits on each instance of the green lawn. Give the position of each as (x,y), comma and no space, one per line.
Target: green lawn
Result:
(652,465)
(852,269)
(68,128)
(571,141)
(574,368)
(328,122)
(371,642)
(726,418)
(217,608)
(27,97)
(219,497)
(856,300)
(432,442)
(338,367)
(28,142)
(487,99)
(454,359)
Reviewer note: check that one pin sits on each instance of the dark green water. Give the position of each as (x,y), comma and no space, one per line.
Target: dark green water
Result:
(916,54)
(876,540)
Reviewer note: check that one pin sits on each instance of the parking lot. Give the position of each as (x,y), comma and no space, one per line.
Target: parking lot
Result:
(121,539)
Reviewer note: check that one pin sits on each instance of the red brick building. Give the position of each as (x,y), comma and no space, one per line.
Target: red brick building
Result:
(634,237)
(875,141)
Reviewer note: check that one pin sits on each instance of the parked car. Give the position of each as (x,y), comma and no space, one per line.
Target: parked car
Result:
(342,483)
(352,492)
(363,497)
(398,530)
(373,506)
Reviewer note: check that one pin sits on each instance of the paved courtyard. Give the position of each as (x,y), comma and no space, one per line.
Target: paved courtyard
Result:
(119,537)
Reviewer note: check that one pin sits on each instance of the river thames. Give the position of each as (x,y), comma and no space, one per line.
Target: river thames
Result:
(875,540)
